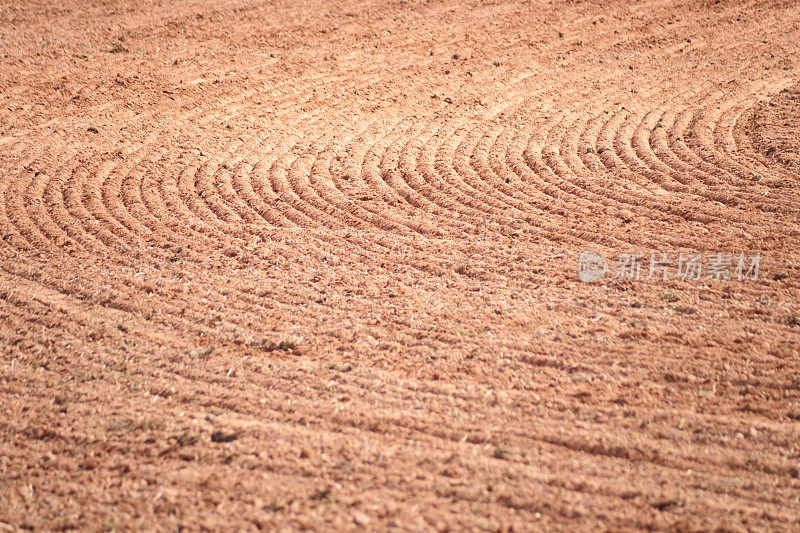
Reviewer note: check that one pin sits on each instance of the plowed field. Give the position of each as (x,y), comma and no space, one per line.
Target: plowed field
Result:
(285,265)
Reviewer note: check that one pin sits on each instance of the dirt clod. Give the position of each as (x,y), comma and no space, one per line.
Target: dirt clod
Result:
(222,435)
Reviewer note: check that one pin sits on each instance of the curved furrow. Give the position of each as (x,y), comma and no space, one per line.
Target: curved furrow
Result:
(287,175)
(379,171)
(633,167)
(304,213)
(436,166)
(744,149)
(366,203)
(497,161)
(429,181)
(371,222)
(400,172)
(24,201)
(191,223)
(328,198)
(235,188)
(506,196)
(10,238)
(356,179)
(206,184)
(531,166)
(587,162)
(49,213)
(288,184)
(68,194)
(723,142)
(616,144)
(650,202)
(655,150)
(234,108)
(416,171)
(22,233)
(560,155)
(500,189)
(266,188)
(565,161)
(96,206)
(502,203)
(118,199)
(527,160)
(205,220)
(732,136)
(486,170)
(509,171)
(624,147)
(713,141)
(640,198)
(299,178)
(269,212)
(760,193)
(667,177)
(17,229)
(620,157)
(638,163)
(247,179)
(115,197)
(482,164)
(700,140)
(101,205)
(178,196)
(716,182)
(141,198)
(497,206)
(679,137)
(662,146)
(271,179)
(742,175)
(160,203)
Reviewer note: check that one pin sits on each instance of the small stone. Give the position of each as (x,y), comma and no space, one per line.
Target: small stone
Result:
(360,519)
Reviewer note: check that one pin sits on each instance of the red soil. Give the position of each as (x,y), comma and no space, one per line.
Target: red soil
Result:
(313,265)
